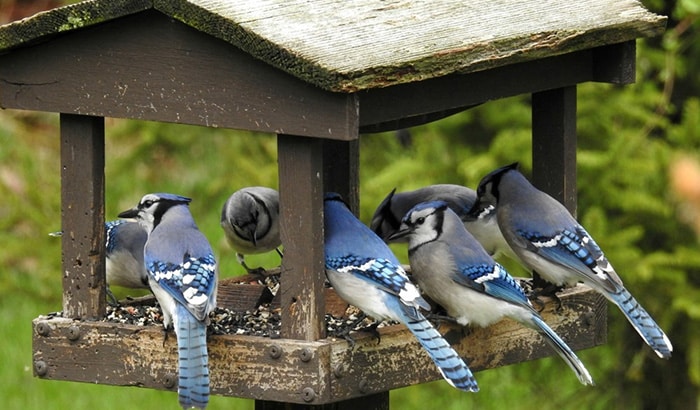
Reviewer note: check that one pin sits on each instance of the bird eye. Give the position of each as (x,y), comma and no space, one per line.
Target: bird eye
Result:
(147,203)
(420,220)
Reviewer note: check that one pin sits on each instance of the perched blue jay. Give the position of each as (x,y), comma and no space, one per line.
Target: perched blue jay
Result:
(548,240)
(182,273)
(453,269)
(124,242)
(366,274)
(250,220)
(387,217)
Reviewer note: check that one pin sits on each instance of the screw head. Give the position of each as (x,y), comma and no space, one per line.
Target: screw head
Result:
(275,351)
(364,386)
(74,333)
(308,394)
(43,328)
(306,354)
(41,368)
(338,371)
(169,381)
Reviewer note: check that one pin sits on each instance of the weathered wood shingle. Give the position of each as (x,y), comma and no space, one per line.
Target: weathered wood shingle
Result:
(349,46)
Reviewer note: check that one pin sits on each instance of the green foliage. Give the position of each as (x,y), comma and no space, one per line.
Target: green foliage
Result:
(628,137)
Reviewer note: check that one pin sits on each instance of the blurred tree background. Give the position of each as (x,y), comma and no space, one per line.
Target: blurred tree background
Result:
(639,196)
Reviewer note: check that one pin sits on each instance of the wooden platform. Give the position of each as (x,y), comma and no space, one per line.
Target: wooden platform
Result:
(287,370)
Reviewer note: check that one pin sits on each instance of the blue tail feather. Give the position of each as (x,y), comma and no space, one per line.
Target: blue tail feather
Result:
(563,350)
(642,323)
(451,366)
(193,360)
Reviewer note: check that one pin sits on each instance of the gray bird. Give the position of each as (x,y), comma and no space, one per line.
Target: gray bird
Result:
(387,217)
(454,270)
(250,220)
(124,266)
(548,240)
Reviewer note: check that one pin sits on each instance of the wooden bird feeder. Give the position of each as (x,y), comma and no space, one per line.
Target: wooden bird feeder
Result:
(318,74)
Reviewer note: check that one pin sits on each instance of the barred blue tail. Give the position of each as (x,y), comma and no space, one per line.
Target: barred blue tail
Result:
(642,322)
(193,389)
(563,350)
(451,366)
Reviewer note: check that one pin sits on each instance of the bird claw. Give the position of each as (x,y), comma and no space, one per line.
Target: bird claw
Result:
(111,299)
(436,318)
(259,271)
(549,290)
(371,329)
(166,334)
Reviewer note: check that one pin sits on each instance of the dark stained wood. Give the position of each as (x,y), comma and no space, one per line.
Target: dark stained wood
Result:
(615,63)
(151,67)
(554,148)
(378,401)
(554,144)
(341,165)
(82,216)
(301,230)
(245,366)
(456,92)
(242,294)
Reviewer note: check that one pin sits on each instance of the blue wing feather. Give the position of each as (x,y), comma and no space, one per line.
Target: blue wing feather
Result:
(191,282)
(380,272)
(493,280)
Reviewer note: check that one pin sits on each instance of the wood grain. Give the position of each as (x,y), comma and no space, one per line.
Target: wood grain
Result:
(82,216)
(284,369)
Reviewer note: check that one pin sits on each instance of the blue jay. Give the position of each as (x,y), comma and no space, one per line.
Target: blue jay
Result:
(548,240)
(250,220)
(453,269)
(124,242)
(366,274)
(182,273)
(387,217)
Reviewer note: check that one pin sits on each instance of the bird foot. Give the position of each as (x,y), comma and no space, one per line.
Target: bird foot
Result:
(111,299)
(352,327)
(550,290)
(436,318)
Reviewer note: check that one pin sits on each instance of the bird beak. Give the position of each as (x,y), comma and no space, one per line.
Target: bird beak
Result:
(130,213)
(399,234)
(253,237)
(473,213)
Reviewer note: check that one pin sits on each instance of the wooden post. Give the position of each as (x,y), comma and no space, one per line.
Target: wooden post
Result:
(82,216)
(301,212)
(554,144)
(341,170)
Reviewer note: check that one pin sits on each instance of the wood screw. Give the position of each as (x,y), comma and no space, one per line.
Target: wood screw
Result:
(306,354)
(275,351)
(169,381)
(73,333)
(43,329)
(364,386)
(41,368)
(308,394)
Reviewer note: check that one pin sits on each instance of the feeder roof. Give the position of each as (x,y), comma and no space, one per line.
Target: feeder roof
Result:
(346,46)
